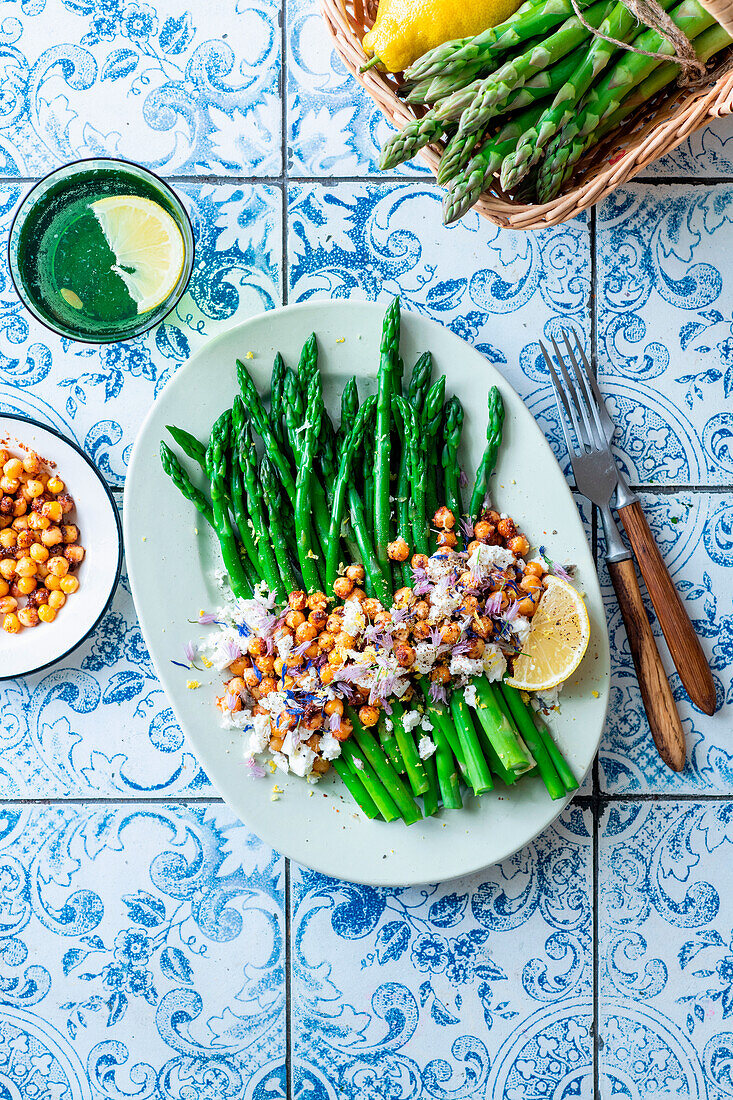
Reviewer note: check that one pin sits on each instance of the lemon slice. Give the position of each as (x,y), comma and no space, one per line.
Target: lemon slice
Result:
(147,244)
(557,641)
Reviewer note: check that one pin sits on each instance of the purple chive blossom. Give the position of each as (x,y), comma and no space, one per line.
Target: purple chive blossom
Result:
(189,652)
(299,650)
(351,674)
(232,651)
(511,612)
(436,636)
(334,722)
(437,693)
(418,573)
(493,604)
(460,649)
(206,618)
(562,573)
(230,700)
(466,528)
(255,770)
(462,479)
(421,588)
(399,614)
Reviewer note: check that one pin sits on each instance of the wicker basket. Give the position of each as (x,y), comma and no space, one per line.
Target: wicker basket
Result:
(660,126)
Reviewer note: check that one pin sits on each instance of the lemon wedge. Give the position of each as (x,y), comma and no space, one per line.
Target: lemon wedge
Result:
(557,640)
(147,244)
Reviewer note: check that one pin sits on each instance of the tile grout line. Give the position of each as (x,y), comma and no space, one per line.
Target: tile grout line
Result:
(372,179)
(585,801)
(284,294)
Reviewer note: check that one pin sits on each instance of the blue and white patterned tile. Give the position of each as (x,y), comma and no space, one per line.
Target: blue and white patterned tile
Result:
(664,330)
(707,154)
(55,725)
(99,395)
(479,987)
(156,83)
(498,289)
(665,950)
(142,955)
(694,533)
(334,127)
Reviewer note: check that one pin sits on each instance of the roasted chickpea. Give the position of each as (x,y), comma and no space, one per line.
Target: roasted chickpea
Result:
(7,504)
(52,510)
(279,666)
(26,585)
(13,468)
(66,502)
(333,706)
(20,508)
(403,597)
(470,605)
(371,607)
(327,674)
(7,568)
(530,583)
(444,518)
(317,601)
(52,536)
(8,538)
(267,684)
(335,657)
(527,607)
(447,538)
(32,463)
(11,624)
(306,632)
(518,545)
(236,667)
(56,600)
(297,601)
(344,731)
(333,623)
(368,716)
(355,573)
(440,674)
(7,604)
(405,654)
(345,641)
(26,567)
(383,619)
(52,583)
(450,633)
(265,665)
(55,485)
(473,546)
(534,569)
(256,646)
(398,550)
(343,587)
(9,485)
(58,567)
(326,642)
(70,532)
(46,614)
(293,619)
(276,741)
(69,585)
(421,631)
(35,489)
(483,626)
(318,619)
(37,522)
(357,594)
(419,561)
(476,649)
(4,588)
(321,766)
(507,528)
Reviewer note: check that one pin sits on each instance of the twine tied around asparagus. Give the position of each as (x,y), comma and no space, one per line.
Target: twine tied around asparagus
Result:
(649,12)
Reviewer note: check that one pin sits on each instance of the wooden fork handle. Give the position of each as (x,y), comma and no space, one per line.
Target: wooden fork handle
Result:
(683,642)
(664,721)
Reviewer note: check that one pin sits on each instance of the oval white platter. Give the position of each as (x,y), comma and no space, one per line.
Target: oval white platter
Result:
(172,558)
(97,518)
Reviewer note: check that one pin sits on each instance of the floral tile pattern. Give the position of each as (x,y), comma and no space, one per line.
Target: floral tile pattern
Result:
(499,290)
(142,955)
(708,154)
(664,330)
(182,91)
(99,396)
(693,531)
(334,127)
(480,987)
(666,961)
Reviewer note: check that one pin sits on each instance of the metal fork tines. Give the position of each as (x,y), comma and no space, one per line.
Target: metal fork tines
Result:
(596,475)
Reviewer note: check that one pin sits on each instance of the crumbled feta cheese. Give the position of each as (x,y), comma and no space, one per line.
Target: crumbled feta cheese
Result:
(388,724)
(484,558)
(426,654)
(465,667)
(410,720)
(301,761)
(330,746)
(400,686)
(549,699)
(521,627)
(426,724)
(470,696)
(281,762)
(494,663)
(275,701)
(443,604)
(439,567)
(426,747)
(354,618)
(260,736)
(284,645)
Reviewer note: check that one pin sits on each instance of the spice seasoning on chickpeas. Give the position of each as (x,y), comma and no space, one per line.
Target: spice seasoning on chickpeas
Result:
(39,544)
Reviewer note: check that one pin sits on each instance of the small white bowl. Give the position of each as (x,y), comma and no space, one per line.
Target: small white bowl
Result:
(100,533)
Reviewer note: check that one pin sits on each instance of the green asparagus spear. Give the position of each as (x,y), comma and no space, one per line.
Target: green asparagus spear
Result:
(216,465)
(354,783)
(524,721)
(307,555)
(391,781)
(277,398)
(278,523)
(251,559)
(189,444)
(359,765)
(243,449)
(496,87)
(389,353)
(414,767)
(498,729)
(494,428)
(261,424)
(452,428)
(349,451)
(183,483)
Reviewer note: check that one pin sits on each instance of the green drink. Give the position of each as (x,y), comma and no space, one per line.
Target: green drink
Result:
(101,250)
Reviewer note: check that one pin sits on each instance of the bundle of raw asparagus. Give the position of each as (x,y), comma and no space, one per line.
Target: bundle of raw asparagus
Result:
(526,99)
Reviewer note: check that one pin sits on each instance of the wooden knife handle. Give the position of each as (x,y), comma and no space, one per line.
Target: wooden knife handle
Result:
(684,644)
(664,721)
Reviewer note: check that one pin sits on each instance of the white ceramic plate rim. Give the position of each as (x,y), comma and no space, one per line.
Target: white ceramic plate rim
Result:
(62,630)
(374,852)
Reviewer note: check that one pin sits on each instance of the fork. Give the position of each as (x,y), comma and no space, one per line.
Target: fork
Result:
(679,633)
(597,477)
